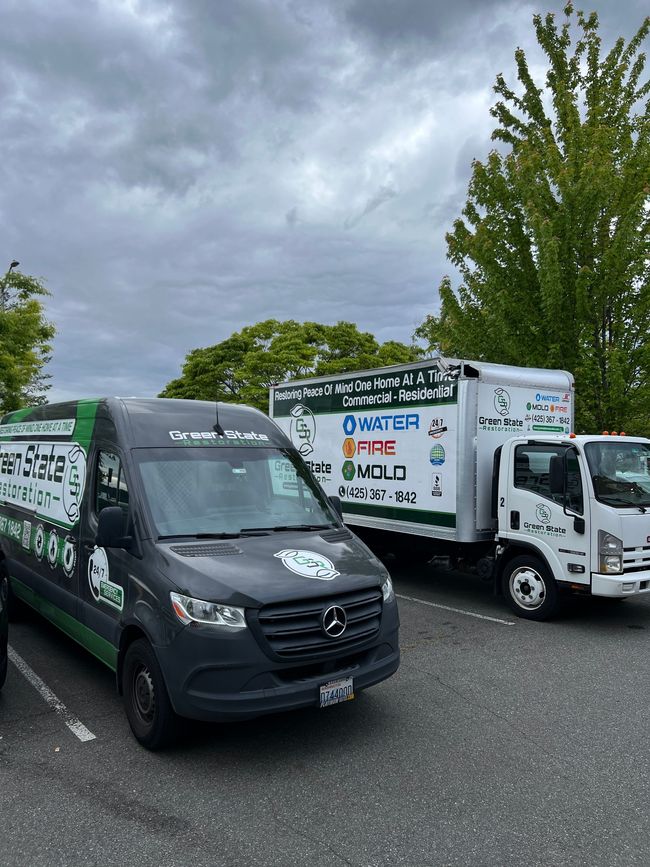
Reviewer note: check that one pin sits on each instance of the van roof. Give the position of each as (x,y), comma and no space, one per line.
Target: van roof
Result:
(148,422)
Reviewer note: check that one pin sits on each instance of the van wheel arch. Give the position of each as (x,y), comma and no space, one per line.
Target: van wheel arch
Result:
(129,634)
(15,606)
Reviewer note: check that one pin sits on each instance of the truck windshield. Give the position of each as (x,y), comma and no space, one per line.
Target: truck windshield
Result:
(227,491)
(620,472)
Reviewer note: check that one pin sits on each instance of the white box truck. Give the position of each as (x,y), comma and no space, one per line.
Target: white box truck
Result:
(478,461)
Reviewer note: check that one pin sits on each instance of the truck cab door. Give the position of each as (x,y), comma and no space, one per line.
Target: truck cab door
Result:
(542,506)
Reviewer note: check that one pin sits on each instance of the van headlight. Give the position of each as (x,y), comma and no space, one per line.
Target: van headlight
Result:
(387,589)
(610,553)
(190,610)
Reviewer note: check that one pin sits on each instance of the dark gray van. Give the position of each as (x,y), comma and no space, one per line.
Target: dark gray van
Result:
(4,627)
(187,546)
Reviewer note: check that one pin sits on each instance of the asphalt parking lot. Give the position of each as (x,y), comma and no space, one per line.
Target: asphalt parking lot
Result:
(499,741)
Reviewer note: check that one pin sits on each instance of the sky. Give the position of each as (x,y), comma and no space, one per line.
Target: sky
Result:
(175,171)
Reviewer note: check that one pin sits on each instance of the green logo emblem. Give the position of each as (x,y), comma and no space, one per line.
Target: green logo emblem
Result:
(348,471)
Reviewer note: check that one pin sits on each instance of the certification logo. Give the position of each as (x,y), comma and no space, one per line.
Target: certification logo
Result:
(53,549)
(436,485)
(437,456)
(437,428)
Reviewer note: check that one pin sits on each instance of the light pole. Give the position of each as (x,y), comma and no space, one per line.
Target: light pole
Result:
(3,297)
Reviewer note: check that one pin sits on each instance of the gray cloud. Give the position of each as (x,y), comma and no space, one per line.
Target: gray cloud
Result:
(178,170)
(383,194)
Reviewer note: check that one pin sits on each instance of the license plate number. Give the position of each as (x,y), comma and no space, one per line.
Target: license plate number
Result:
(336,691)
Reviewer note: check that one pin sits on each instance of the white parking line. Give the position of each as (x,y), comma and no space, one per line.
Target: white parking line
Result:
(76,727)
(457,610)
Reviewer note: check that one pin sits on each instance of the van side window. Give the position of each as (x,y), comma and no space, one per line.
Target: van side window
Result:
(110,485)
(532,464)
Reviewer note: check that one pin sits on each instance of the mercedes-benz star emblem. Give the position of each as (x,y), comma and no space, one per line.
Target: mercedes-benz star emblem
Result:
(334,622)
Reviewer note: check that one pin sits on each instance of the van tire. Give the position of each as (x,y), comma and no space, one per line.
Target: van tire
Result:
(3,668)
(15,606)
(146,701)
(530,588)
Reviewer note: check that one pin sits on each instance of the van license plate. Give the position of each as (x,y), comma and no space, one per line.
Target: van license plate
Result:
(336,691)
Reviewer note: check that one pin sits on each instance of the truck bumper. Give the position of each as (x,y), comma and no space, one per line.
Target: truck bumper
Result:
(619,586)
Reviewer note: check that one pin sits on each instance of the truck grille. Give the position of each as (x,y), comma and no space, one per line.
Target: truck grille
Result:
(636,559)
(294,630)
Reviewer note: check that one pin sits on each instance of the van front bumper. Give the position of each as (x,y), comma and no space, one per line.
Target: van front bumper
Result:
(619,586)
(221,678)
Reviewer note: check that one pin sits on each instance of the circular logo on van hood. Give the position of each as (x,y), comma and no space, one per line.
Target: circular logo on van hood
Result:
(308,564)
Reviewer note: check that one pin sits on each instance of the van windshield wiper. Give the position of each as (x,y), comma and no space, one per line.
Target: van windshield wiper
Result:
(282,527)
(236,535)
(253,531)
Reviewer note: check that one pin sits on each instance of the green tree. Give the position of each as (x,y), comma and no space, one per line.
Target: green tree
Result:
(241,368)
(553,245)
(25,337)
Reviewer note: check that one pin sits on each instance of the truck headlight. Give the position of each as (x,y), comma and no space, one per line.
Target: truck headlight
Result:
(387,589)
(190,610)
(610,553)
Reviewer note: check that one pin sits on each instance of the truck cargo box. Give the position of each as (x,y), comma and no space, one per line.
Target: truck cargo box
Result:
(411,447)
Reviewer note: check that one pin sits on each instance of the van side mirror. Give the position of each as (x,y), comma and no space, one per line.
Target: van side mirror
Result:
(110,529)
(336,503)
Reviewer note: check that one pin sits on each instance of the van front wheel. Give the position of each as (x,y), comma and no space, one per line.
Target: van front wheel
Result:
(146,702)
(530,589)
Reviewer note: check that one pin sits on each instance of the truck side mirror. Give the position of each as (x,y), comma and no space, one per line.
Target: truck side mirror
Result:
(556,474)
(110,529)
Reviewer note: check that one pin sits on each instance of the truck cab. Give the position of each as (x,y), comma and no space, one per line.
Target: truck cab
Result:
(573,513)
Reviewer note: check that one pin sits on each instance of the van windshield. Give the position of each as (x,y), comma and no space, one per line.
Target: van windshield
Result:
(620,472)
(212,491)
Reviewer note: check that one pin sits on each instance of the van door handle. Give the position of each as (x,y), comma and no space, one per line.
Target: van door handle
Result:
(514,520)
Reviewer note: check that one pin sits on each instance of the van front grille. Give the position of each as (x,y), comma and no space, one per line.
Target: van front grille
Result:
(294,630)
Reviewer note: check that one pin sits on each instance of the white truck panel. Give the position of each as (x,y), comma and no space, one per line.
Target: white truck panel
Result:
(410,447)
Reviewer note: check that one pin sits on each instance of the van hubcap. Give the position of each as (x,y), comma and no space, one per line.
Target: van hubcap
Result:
(144,697)
(527,588)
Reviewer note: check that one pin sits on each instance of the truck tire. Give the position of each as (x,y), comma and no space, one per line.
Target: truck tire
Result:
(146,702)
(529,587)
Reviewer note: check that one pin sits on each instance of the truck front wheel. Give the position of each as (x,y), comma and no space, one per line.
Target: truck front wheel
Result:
(530,589)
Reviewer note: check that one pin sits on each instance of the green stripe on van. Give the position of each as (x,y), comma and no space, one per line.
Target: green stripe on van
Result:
(83,429)
(18,415)
(93,643)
